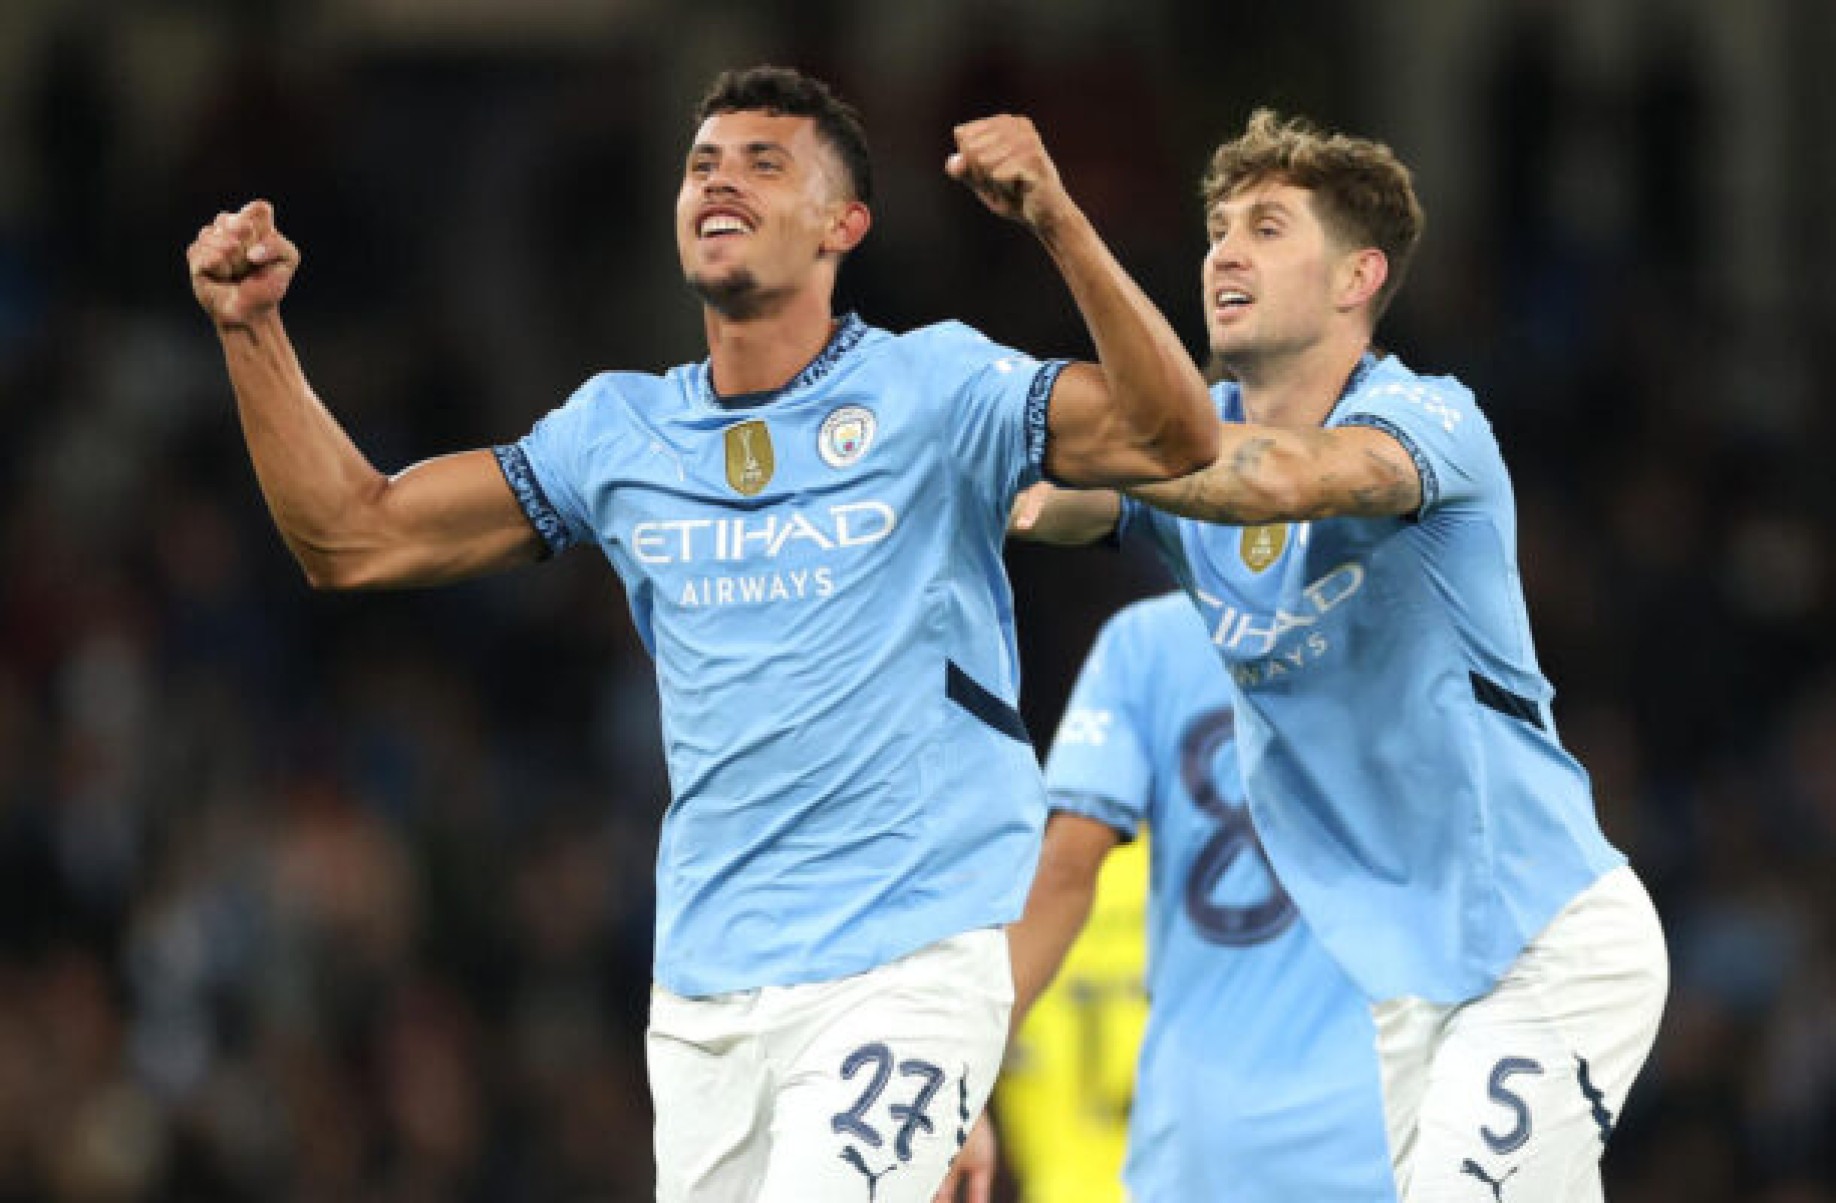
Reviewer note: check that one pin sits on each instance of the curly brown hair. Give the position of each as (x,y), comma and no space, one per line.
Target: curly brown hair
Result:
(1362,193)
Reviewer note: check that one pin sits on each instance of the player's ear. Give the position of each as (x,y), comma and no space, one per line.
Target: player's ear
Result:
(1361,276)
(847,226)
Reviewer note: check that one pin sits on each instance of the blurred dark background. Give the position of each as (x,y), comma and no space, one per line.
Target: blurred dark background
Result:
(331,898)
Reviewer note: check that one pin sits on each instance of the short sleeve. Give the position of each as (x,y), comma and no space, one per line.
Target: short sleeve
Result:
(1100,765)
(999,401)
(546,470)
(1441,427)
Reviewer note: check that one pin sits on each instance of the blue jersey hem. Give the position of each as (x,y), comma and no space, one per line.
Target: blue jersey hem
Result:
(687,982)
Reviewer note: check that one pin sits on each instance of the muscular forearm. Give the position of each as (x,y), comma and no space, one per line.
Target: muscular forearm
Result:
(1278,474)
(1249,482)
(1158,398)
(316,482)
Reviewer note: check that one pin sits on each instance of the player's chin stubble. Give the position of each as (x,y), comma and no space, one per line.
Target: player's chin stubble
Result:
(735,295)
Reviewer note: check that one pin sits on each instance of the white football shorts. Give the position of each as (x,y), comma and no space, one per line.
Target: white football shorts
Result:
(859,1090)
(1511,1097)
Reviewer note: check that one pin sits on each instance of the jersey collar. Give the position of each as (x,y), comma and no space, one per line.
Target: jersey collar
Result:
(1367,363)
(848,332)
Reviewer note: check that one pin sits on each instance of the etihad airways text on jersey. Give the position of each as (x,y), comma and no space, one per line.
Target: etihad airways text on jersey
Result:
(762,536)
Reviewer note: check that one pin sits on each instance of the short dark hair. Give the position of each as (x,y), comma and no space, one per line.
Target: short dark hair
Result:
(786,92)
(1362,192)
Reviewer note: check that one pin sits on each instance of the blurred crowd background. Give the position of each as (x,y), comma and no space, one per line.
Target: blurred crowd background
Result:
(349,898)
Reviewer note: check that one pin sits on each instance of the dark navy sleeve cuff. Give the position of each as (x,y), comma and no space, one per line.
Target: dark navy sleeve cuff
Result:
(1431,484)
(1038,405)
(542,515)
(1107,811)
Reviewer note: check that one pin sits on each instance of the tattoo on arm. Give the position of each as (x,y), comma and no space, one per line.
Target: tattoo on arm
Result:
(1249,457)
(1215,492)
(1393,492)
(1238,488)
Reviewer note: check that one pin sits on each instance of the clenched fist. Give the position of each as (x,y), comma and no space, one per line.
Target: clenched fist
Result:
(241,265)
(1004,162)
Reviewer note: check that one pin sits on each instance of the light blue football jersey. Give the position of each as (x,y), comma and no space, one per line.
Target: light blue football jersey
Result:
(817,574)
(1258,1078)
(1399,755)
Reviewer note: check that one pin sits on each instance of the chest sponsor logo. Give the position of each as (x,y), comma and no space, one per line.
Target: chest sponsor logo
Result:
(763,536)
(750,460)
(1242,633)
(1262,647)
(710,547)
(1261,546)
(845,436)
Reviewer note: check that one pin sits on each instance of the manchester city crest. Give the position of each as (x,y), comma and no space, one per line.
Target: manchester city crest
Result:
(750,461)
(1261,546)
(845,436)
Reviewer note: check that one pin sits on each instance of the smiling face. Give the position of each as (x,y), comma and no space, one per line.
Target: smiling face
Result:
(764,211)
(1274,278)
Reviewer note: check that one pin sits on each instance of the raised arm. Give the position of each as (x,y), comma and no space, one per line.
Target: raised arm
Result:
(348,525)
(1141,412)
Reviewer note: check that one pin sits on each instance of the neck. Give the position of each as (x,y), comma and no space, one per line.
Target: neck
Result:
(1297,389)
(764,351)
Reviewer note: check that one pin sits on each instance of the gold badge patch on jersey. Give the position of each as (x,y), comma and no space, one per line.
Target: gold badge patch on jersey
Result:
(750,461)
(1263,545)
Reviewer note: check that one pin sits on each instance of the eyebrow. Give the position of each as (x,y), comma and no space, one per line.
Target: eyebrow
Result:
(750,148)
(1251,211)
